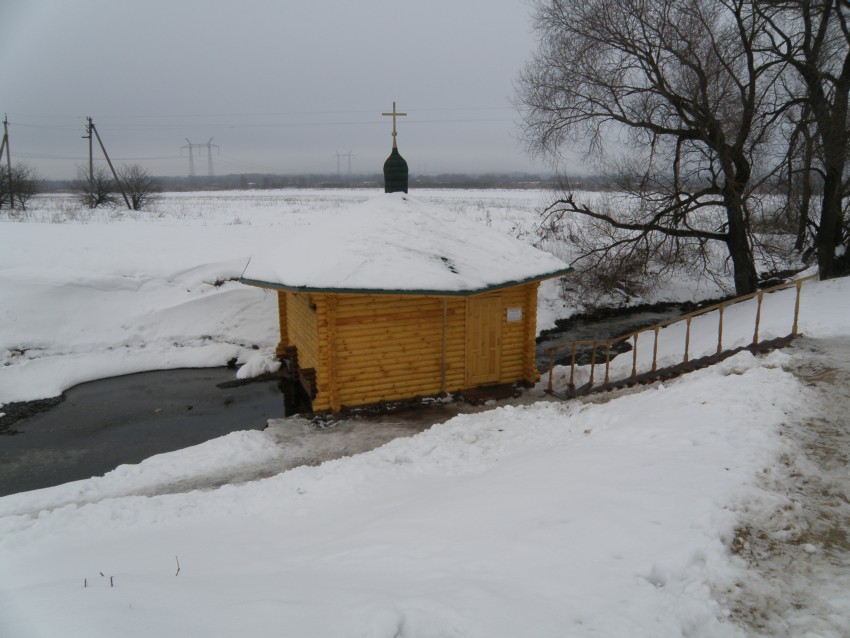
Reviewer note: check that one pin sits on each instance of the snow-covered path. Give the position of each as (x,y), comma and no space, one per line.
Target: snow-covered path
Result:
(800,554)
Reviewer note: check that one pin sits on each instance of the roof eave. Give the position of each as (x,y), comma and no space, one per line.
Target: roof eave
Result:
(420,292)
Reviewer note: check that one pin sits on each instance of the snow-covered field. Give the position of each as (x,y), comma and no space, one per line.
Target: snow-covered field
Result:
(627,517)
(91,294)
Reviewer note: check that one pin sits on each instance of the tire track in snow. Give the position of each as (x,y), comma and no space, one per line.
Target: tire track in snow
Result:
(799,554)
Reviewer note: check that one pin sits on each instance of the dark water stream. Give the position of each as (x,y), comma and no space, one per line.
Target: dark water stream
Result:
(597,328)
(106,423)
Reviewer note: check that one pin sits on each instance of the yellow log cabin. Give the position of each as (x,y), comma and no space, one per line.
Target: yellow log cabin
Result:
(404,302)
(398,298)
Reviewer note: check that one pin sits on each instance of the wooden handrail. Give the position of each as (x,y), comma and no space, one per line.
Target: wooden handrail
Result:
(713,307)
(688,317)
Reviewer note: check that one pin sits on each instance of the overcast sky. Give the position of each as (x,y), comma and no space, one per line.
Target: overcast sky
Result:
(280,85)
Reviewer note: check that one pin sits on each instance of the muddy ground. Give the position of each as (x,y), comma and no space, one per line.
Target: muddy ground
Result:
(801,551)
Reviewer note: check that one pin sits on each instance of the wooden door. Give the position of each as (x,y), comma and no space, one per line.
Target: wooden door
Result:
(483,340)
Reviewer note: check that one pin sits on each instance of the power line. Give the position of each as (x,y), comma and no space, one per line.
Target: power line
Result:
(209,146)
(104,116)
(272,114)
(339,157)
(53,156)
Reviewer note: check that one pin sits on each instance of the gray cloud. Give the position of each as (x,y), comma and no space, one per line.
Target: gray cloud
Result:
(280,86)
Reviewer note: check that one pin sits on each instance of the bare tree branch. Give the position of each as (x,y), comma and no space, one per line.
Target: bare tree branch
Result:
(683,87)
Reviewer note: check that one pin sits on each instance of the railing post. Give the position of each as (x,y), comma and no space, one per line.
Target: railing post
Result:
(758,320)
(687,339)
(592,364)
(573,368)
(551,368)
(796,309)
(720,331)
(607,359)
(655,350)
(634,357)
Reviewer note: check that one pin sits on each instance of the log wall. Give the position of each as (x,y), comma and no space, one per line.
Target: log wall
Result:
(302,328)
(284,342)
(371,348)
(518,338)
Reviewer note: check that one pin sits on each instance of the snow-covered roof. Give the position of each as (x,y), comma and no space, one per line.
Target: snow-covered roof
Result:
(398,243)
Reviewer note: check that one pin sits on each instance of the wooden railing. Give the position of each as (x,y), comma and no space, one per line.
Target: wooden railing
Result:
(596,344)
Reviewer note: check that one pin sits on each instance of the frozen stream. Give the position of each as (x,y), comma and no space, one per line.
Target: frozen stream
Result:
(605,328)
(126,419)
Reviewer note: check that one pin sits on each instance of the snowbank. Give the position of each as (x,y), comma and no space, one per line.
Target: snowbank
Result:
(545,520)
(89,301)
(824,312)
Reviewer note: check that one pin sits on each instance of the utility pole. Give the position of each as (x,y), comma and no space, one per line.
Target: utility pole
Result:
(91,153)
(92,129)
(5,145)
(88,136)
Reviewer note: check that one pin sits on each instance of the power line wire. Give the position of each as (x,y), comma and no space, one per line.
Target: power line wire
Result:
(53,156)
(157,116)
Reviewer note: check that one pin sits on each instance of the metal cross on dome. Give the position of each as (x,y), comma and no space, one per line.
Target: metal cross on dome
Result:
(394,115)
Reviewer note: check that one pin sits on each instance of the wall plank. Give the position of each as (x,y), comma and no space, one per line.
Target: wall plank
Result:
(302,328)
(390,347)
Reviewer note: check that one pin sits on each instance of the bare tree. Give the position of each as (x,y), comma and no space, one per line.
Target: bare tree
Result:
(617,265)
(24,186)
(139,186)
(95,190)
(800,175)
(680,84)
(813,38)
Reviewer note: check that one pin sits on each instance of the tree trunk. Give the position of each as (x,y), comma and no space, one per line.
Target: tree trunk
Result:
(737,171)
(803,214)
(834,142)
(806,192)
(743,268)
(829,230)
(831,120)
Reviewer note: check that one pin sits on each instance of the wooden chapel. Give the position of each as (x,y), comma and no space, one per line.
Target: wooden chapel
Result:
(398,298)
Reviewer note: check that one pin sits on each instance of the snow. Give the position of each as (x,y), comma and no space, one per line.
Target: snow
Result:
(227,453)
(89,294)
(88,301)
(521,521)
(256,364)
(400,242)
(819,305)
(614,517)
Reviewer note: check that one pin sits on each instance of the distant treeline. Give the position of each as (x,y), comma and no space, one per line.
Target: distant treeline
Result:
(449,180)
